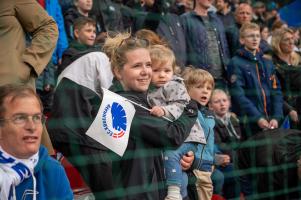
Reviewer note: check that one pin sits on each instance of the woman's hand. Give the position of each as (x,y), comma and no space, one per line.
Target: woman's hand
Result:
(187,160)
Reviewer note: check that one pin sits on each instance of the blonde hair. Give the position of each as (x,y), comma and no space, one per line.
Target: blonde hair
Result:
(194,77)
(277,36)
(162,54)
(248,26)
(117,46)
(216,91)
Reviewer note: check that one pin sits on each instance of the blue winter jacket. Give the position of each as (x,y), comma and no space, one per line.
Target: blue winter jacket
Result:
(204,156)
(254,87)
(51,181)
(53,8)
(197,42)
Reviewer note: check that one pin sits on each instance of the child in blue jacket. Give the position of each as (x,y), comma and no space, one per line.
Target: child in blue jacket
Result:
(254,87)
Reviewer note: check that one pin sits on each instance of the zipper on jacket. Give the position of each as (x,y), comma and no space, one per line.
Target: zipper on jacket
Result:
(263,93)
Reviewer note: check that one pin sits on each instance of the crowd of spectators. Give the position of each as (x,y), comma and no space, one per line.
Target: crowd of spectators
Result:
(204,34)
(222,71)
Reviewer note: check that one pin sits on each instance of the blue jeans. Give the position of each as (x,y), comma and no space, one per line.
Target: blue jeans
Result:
(173,169)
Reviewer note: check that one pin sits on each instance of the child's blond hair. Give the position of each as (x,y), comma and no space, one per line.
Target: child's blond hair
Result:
(248,26)
(162,54)
(195,77)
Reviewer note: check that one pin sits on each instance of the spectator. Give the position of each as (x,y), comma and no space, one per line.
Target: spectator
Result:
(145,173)
(26,169)
(206,41)
(265,34)
(20,62)
(46,81)
(259,10)
(200,84)
(168,98)
(168,26)
(82,8)
(227,136)
(243,14)
(76,101)
(224,12)
(84,40)
(288,70)
(255,89)
(110,13)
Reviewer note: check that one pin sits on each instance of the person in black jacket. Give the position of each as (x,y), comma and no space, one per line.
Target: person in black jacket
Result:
(141,167)
(227,136)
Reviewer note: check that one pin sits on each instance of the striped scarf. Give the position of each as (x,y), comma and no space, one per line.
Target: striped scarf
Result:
(14,171)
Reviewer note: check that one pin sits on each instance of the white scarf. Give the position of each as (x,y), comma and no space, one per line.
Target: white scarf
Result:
(14,171)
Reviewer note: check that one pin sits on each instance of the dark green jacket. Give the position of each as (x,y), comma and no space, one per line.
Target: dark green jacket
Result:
(141,167)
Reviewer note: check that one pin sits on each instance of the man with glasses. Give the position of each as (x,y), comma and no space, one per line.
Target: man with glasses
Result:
(26,169)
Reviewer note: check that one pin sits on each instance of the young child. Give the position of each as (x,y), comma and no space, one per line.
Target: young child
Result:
(200,84)
(84,39)
(227,136)
(168,97)
(254,87)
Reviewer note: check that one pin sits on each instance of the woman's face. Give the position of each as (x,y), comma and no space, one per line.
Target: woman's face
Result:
(287,43)
(137,72)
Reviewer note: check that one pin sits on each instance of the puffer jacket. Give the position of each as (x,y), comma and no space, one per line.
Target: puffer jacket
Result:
(254,88)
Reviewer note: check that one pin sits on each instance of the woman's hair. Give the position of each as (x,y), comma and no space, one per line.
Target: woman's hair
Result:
(151,36)
(161,54)
(194,77)
(117,46)
(248,26)
(276,40)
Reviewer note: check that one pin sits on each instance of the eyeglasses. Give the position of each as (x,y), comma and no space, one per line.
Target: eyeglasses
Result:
(22,119)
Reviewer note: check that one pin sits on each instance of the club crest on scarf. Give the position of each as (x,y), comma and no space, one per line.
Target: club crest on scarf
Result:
(114,120)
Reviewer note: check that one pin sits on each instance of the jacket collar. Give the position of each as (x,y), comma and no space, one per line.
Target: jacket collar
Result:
(242,52)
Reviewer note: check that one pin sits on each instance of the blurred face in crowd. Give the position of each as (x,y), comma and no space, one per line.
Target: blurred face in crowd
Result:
(265,33)
(86,34)
(250,39)
(219,103)
(147,3)
(84,6)
(162,72)
(243,13)
(21,129)
(201,93)
(287,43)
(204,4)
(220,5)
(136,74)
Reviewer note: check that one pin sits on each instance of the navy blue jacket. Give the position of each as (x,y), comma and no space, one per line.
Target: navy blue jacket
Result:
(254,87)
(197,42)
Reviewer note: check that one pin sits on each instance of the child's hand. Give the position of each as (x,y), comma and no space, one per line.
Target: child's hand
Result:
(273,124)
(157,111)
(263,123)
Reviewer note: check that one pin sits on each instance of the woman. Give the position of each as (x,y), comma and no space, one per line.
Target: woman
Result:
(287,63)
(141,167)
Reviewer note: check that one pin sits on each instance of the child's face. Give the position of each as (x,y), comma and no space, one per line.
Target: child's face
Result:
(250,39)
(86,35)
(201,93)
(84,5)
(219,103)
(162,73)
